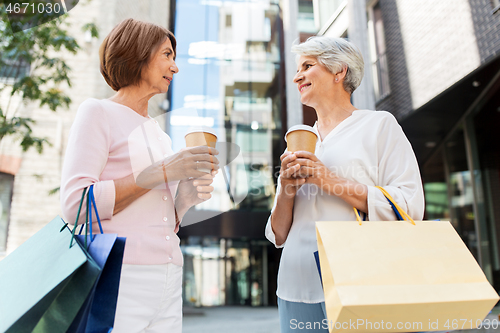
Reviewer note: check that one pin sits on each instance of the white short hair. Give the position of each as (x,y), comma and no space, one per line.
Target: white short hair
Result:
(335,54)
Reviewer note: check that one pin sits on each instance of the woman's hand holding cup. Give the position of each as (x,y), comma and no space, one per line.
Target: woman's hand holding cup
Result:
(191,163)
(196,187)
(188,163)
(289,182)
(298,138)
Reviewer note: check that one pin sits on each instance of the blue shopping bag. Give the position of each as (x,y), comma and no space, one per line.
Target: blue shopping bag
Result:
(97,315)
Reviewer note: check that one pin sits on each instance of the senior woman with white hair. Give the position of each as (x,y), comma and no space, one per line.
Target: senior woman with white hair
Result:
(356,151)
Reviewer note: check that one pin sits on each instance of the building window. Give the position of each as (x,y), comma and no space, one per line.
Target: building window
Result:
(378,55)
(6,185)
(305,19)
(11,65)
(13,68)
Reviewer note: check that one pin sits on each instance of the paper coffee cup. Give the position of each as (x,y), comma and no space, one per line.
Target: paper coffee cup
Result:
(301,137)
(201,136)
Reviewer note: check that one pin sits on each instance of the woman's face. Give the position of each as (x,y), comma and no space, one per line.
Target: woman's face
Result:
(159,72)
(313,80)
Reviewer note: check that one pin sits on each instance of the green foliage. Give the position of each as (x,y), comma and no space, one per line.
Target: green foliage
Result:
(29,70)
(94,31)
(54,190)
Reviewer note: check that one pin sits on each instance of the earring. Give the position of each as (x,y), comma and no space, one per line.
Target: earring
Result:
(336,79)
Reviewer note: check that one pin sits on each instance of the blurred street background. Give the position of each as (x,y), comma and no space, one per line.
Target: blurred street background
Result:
(233,319)
(435,65)
(230,319)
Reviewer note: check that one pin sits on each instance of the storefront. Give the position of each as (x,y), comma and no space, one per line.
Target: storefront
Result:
(457,141)
(220,271)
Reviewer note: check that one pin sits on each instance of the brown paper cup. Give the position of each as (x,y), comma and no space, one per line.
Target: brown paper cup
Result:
(201,136)
(301,137)
(196,139)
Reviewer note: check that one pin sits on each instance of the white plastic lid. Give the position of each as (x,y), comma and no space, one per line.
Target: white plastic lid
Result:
(301,128)
(196,129)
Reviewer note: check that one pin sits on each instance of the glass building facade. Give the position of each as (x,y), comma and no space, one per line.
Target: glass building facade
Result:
(230,79)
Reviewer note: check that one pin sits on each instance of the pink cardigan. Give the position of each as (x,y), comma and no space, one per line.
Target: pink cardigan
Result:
(110,141)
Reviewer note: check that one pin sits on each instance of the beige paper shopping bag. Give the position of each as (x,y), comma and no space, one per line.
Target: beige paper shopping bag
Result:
(398,277)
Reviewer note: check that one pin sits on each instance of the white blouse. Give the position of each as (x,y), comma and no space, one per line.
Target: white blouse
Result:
(368,147)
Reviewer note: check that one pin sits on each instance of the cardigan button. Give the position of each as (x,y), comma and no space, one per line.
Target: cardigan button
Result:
(165,198)
(165,219)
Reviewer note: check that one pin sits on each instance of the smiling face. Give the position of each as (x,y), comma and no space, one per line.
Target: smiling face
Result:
(314,81)
(158,74)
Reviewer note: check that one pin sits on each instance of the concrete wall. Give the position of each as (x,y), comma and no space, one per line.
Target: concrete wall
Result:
(290,9)
(363,97)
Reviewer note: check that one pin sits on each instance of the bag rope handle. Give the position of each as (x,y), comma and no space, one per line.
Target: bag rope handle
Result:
(88,216)
(91,202)
(77,217)
(401,214)
(358,218)
(95,208)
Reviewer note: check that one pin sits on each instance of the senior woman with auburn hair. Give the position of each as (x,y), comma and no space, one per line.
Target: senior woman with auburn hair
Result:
(356,151)
(138,62)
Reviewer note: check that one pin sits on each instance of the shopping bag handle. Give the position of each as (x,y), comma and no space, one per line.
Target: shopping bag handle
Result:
(95,208)
(88,216)
(400,213)
(89,211)
(77,217)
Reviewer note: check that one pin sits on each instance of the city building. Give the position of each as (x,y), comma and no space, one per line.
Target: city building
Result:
(240,68)
(230,55)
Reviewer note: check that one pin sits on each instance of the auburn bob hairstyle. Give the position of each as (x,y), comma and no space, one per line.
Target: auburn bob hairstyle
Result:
(128,49)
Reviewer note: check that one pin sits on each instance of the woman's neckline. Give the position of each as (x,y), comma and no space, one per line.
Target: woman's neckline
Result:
(129,108)
(336,128)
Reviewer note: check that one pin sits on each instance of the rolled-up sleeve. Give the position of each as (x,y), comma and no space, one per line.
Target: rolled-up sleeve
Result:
(86,156)
(269,229)
(398,174)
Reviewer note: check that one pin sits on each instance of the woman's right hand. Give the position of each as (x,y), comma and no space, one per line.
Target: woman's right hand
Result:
(188,162)
(183,165)
(289,182)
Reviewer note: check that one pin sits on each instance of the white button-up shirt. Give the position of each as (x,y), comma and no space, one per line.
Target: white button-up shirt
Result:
(368,147)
